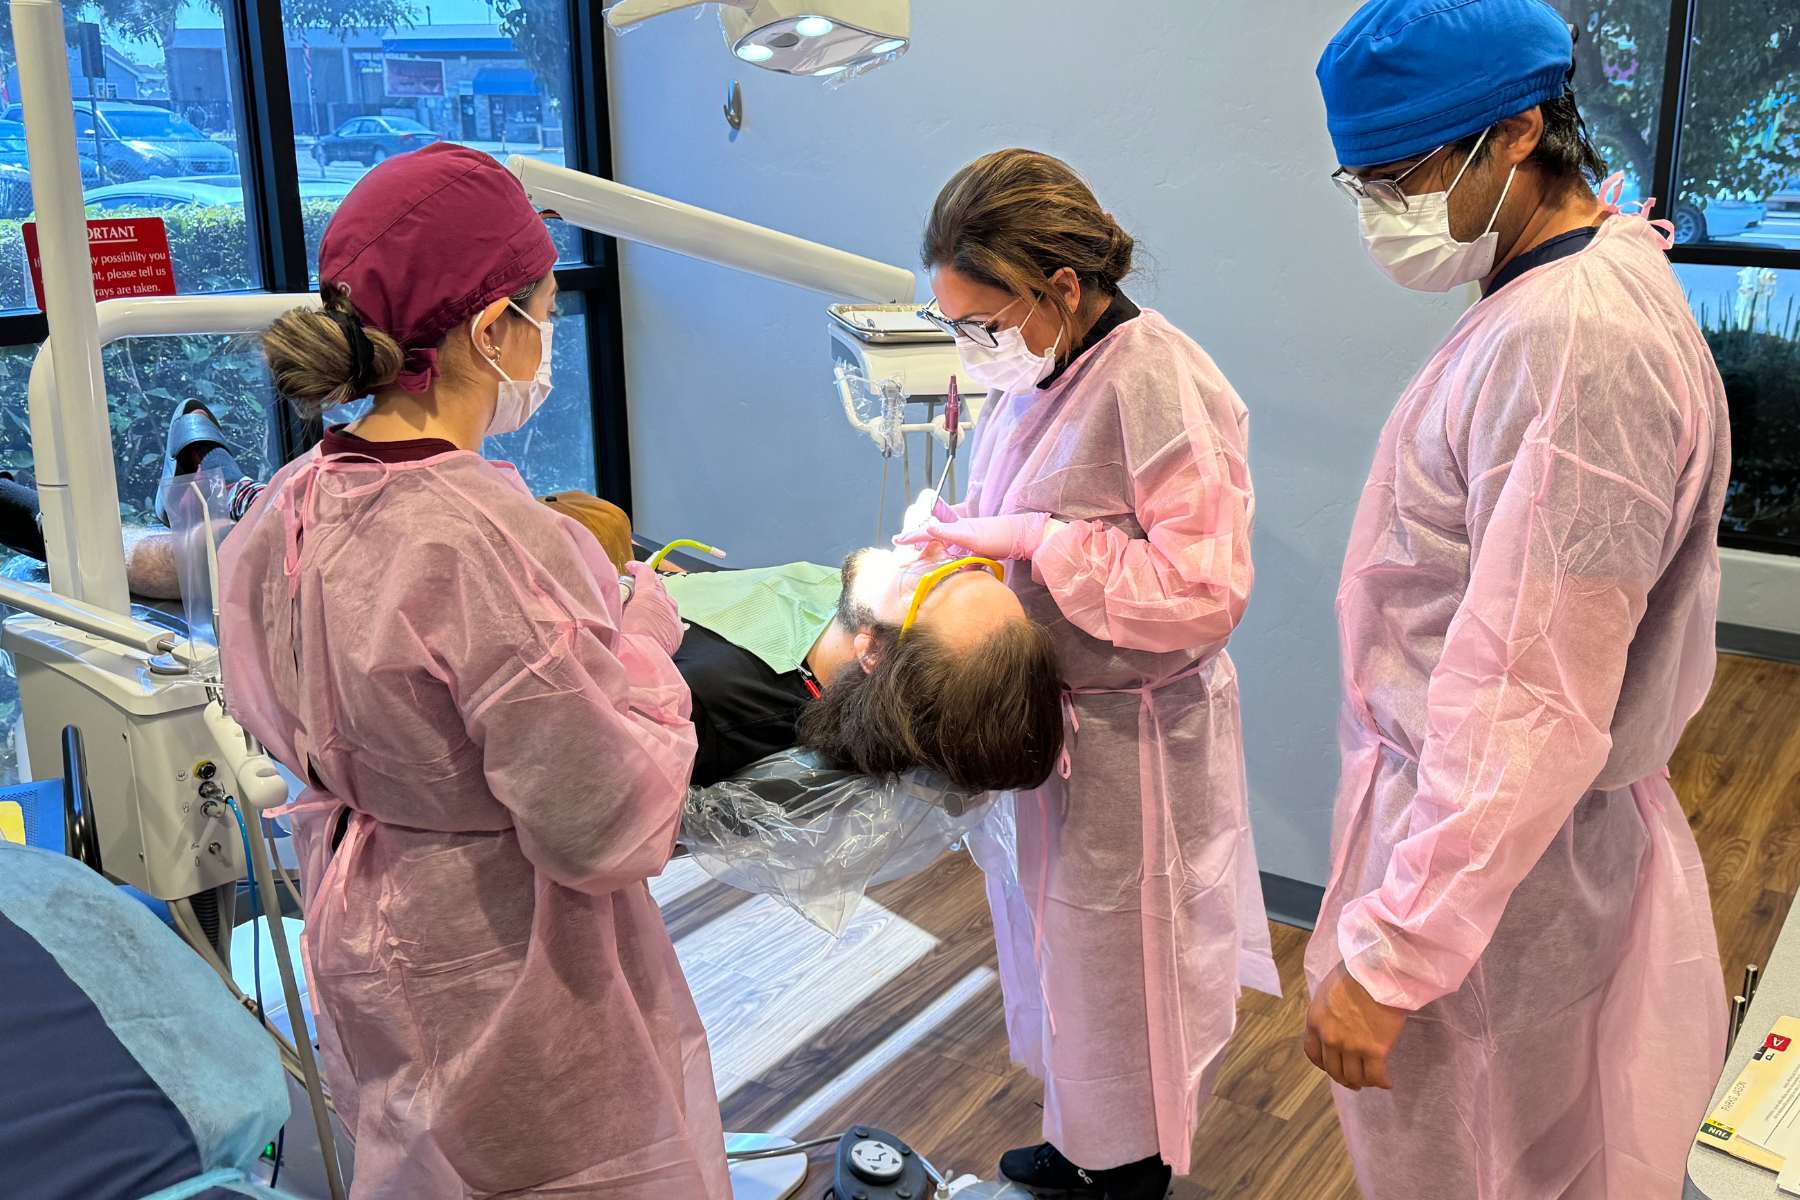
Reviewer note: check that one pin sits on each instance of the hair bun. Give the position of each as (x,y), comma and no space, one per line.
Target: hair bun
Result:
(1120,249)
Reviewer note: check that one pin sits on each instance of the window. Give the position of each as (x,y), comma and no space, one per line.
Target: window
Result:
(1699,105)
(496,78)
(1739,150)
(141,120)
(175,129)
(1751,318)
(555,451)
(1619,72)
(146,378)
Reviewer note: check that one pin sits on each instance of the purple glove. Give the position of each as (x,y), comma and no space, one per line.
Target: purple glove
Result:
(1011,539)
(651,612)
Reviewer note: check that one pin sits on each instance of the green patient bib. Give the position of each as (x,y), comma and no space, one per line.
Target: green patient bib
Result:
(776,613)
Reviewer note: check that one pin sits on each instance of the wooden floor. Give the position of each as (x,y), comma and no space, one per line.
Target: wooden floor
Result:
(899,1024)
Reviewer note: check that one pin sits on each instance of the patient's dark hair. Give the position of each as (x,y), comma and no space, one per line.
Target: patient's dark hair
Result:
(989,717)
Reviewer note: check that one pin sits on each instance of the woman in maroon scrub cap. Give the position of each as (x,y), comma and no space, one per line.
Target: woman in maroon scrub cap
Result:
(494,746)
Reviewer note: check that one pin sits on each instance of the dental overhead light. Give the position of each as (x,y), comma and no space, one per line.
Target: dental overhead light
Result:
(796,37)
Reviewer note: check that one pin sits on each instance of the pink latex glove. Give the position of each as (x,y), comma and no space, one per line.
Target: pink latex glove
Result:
(928,505)
(1012,538)
(651,612)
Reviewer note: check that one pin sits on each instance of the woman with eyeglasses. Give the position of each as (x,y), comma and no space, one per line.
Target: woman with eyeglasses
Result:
(1110,468)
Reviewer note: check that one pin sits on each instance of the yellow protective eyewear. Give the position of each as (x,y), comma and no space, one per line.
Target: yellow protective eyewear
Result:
(937,575)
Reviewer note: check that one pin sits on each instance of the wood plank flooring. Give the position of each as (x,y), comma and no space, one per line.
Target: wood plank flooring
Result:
(899,1025)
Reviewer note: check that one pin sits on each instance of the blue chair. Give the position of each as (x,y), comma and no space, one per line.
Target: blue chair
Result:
(132,1073)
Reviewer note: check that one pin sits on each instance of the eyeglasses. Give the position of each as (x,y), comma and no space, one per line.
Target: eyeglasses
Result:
(983,333)
(1385,192)
(937,575)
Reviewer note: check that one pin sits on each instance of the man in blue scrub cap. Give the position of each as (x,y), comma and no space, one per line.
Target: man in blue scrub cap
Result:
(1514,975)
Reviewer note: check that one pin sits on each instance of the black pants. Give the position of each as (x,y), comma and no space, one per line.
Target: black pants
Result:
(19,531)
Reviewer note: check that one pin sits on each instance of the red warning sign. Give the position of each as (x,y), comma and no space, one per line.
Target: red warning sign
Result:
(130,256)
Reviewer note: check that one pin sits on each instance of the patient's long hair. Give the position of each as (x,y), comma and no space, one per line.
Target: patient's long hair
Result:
(989,717)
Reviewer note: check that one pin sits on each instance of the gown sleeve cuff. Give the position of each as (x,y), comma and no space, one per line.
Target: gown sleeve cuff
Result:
(1374,960)
(1055,562)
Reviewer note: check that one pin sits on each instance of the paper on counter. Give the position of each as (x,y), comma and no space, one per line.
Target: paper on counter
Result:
(1774,1123)
(1758,1118)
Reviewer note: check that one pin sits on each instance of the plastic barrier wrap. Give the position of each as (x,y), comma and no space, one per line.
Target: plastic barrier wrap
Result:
(199,508)
(816,838)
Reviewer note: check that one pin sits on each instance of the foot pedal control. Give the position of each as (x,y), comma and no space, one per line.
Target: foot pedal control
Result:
(873,1164)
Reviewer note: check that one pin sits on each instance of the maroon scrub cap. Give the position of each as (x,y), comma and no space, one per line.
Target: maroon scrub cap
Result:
(427,240)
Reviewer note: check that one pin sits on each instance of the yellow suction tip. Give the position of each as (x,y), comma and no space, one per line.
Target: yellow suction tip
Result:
(683,544)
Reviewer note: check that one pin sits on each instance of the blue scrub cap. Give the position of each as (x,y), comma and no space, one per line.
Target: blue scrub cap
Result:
(1404,77)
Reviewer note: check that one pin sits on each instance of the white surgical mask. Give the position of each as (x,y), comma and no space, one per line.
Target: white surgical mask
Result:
(1416,249)
(520,399)
(1009,366)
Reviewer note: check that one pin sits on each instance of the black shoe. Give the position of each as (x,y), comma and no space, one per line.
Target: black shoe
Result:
(1146,1180)
(1048,1175)
(192,430)
(1043,1171)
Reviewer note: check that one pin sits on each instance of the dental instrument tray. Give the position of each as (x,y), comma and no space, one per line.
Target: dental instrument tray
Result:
(887,324)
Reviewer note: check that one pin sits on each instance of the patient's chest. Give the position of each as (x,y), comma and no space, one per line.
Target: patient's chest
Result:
(744,710)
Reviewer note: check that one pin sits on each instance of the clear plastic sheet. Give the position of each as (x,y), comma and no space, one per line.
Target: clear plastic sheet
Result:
(816,838)
(199,508)
(877,407)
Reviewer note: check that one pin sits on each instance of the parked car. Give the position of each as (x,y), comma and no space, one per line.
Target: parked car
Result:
(368,140)
(13,153)
(1786,200)
(142,141)
(161,195)
(1700,219)
(1704,218)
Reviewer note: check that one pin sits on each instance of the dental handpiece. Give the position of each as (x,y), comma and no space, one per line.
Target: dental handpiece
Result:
(952,431)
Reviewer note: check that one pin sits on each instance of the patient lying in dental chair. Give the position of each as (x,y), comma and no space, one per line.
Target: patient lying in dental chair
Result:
(834,753)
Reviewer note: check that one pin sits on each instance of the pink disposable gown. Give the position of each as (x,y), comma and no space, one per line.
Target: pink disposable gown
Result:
(1526,620)
(1130,907)
(440,654)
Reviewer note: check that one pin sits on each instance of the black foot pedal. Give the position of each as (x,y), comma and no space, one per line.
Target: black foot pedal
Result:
(873,1164)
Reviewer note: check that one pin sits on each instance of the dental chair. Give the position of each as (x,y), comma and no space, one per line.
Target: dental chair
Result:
(131,1072)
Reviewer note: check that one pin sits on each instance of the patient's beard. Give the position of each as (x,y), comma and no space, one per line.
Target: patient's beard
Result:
(868,576)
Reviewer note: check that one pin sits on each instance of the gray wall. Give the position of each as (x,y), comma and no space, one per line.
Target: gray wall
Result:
(1200,127)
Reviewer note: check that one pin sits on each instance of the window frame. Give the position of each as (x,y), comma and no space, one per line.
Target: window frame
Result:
(1670,113)
(257,61)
